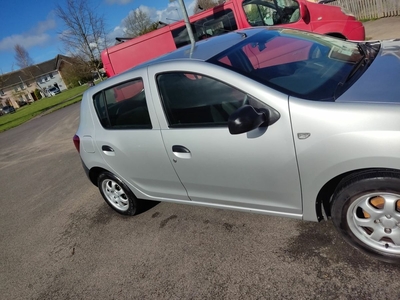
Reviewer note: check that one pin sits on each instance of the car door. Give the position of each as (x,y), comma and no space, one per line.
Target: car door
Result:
(130,142)
(256,170)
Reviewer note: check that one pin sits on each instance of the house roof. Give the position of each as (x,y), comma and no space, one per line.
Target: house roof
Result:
(35,71)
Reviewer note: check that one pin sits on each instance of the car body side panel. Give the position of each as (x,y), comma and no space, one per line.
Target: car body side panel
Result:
(343,137)
(139,157)
(255,170)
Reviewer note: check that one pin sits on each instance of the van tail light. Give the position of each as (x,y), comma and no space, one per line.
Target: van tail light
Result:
(77,142)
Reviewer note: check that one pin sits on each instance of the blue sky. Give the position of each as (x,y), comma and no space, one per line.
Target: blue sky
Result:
(34,25)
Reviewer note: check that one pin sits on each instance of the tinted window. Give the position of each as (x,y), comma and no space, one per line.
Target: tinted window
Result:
(123,106)
(195,100)
(271,12)
(301,64)
(216,24)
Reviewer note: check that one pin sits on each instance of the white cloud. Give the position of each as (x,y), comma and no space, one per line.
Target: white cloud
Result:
(173,12)
(121,2)
(44,26)
(27,41)
(117,32)
(35,37)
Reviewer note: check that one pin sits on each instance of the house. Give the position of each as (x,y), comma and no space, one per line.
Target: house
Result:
(19,86)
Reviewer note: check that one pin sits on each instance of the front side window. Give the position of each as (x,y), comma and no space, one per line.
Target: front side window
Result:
(216,24)
(123,106)
(271,12)
(194,100)
(300,64)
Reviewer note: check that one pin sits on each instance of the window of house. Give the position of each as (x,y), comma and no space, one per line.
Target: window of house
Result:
(216,24)
(194,100)
(123,106)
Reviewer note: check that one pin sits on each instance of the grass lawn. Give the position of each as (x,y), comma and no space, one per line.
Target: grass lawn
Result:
(28,112)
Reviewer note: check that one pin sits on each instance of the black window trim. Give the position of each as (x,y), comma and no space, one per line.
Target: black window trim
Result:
(127,127)
(200,125)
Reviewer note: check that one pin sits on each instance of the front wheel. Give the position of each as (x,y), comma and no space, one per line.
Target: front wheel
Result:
(366,211)
(117,194)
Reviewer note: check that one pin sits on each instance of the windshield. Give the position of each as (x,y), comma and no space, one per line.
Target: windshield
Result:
(301,64)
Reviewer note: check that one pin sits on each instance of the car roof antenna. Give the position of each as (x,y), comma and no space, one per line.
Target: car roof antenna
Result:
(188,26)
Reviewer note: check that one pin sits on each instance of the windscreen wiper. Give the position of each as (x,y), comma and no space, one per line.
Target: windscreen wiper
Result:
(364,60)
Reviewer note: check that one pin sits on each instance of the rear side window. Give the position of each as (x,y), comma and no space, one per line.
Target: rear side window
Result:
(123,106)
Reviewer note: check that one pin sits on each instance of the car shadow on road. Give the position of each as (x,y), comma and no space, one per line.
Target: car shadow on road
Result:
(146,206)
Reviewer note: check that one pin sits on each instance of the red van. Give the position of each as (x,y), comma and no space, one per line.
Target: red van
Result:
(232,15)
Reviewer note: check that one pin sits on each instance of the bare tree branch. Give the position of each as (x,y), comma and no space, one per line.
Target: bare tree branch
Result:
(138,23)
(85,35)
(22,58)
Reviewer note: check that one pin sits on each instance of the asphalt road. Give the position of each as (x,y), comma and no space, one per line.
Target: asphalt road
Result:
(60,240)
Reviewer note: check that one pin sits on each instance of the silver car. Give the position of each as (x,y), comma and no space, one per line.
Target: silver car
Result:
(273,121)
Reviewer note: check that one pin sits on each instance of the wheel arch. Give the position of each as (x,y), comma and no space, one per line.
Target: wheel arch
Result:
(336,35)
(324,197)
(94,174)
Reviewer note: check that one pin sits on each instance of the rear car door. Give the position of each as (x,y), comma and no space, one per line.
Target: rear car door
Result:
(129,139)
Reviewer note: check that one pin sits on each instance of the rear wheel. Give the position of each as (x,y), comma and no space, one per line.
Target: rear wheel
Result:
(366,211)
(117,194)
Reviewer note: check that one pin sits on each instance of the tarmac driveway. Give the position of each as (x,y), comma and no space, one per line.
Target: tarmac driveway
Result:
(60,240)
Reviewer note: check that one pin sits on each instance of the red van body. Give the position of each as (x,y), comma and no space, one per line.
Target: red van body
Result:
(232,15)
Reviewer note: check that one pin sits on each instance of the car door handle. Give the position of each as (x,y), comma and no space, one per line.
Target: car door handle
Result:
(108,150)
(181,152)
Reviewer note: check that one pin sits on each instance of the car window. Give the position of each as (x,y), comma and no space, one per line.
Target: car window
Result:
(271,12)
(123,106)
(218,23)
(191,99)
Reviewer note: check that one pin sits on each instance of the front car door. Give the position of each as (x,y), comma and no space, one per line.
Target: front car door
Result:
(257,170)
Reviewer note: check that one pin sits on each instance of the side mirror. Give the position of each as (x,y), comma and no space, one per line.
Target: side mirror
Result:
(246,118)
(304,13)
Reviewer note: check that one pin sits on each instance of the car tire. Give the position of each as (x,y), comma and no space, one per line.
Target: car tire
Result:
(117,195)
(366,211)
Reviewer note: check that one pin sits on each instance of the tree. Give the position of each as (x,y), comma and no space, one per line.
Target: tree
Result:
(76,73)
(138,23)
(22,57)
(25,63)
(201,5)
(85,34)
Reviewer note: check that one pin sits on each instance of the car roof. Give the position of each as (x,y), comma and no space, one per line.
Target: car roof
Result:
(206,49)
